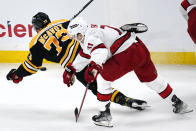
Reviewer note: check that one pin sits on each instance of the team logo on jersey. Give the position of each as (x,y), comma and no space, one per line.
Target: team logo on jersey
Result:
(89,46)
(94,26)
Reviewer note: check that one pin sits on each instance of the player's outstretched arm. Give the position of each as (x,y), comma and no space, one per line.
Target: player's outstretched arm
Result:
(16,75)
(13,76)
(27,68)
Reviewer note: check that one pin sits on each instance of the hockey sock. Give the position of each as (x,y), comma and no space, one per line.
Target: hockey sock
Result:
(118,97)
(167,94)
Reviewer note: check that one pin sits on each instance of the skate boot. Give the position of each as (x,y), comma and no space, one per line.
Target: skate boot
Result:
(123,100)
(135,27)
(179,106)
(104,118)
(136,103)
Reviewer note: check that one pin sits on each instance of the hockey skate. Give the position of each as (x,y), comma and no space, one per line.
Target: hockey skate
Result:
(104,118)
(130,102)
(135,27)
(136,104)
(179,106)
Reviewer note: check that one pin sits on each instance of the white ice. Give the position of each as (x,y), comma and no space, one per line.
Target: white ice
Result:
(42,102)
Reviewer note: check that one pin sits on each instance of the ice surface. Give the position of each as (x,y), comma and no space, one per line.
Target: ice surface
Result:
(42,102)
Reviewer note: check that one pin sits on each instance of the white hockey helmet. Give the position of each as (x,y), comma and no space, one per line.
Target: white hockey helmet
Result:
(77,25)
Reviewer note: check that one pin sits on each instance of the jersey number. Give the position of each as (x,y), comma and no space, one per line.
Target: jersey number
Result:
(53,40)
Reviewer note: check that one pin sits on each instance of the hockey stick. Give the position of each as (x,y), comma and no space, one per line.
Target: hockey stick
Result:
(77,114)
(81,10)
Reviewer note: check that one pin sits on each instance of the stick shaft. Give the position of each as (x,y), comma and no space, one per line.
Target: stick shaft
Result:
(82,101)
(81,10)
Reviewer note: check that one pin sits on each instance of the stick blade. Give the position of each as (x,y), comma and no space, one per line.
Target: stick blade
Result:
(76,113)
(43,68)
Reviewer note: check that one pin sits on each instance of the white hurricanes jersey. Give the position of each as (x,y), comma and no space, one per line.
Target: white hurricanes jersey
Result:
(186,7)
(192,1)
(101,42)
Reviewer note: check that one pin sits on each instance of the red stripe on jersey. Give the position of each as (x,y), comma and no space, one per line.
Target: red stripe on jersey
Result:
(185,4)
(138,39)
(166,92)
(103,97)
(117,44)
(99,46)
(116,29)
(89,46)
(84,55)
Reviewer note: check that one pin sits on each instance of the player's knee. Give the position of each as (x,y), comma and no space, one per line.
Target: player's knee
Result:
(192,25)
(192,33)
(104,87)
(157,85)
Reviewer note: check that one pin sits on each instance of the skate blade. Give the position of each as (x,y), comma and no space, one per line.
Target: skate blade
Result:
(104,123)
(186,109)
(189,110)
(143,106)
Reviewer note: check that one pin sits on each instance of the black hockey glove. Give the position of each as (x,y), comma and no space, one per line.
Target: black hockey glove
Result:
(135,27)
(12,76)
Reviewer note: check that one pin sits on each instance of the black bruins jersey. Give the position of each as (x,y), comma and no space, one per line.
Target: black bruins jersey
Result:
(51,43)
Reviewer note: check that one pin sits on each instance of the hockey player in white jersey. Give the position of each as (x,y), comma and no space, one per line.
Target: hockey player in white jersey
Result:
(113,54)
(188,10)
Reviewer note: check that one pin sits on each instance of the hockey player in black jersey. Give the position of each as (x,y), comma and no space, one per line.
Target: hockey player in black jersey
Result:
(53,44)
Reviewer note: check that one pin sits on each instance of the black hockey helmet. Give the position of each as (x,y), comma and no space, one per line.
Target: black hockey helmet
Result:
(40,20)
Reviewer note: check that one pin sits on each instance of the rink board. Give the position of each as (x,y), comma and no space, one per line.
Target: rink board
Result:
(157,57)
(14,56)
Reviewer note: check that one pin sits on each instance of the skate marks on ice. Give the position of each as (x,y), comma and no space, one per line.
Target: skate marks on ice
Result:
(27,106)
(25,117)
(159,117)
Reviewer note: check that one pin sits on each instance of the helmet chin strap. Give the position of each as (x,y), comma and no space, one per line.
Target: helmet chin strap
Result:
(82,40)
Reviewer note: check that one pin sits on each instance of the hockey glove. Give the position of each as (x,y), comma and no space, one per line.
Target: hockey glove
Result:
(12,76)
(69,75)
(135,27)
(92,71)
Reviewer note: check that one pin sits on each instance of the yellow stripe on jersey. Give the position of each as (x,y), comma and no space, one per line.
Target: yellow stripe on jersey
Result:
(114,95)
(34,66)
(27,69)
(73,54)
(67,51)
